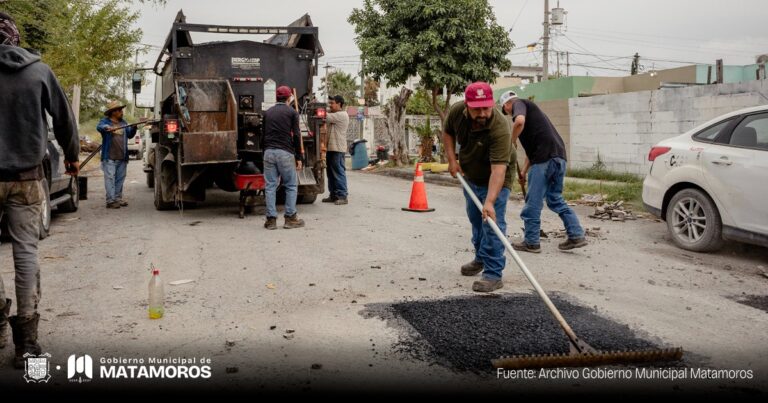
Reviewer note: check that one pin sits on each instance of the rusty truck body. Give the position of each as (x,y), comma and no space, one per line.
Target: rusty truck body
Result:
(210,99)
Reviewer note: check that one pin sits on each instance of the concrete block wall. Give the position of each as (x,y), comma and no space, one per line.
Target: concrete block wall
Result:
(623,127)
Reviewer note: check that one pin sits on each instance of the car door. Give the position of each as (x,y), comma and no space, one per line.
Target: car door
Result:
(736,168)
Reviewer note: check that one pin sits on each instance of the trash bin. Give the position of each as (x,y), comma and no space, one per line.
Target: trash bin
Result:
(359,153)
(382,153)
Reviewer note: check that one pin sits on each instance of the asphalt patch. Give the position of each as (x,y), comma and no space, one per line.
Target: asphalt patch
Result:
(466,333)
(755,301)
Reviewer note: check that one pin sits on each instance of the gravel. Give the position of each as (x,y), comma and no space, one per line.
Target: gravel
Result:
(466,333)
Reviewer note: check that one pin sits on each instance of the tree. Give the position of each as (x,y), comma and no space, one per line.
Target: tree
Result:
(421,103)
(448,43)
(395,124)
(87,44)
(341,83)
(371,92)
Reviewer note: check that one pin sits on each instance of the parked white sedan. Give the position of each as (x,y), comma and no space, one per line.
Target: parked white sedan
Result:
(711,183)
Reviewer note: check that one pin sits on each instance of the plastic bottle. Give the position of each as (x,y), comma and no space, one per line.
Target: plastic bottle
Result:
(156,295)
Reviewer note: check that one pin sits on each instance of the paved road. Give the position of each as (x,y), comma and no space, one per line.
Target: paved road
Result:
(318,280)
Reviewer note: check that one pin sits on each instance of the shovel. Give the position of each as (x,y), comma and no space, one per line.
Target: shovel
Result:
(306,176)
(581,354)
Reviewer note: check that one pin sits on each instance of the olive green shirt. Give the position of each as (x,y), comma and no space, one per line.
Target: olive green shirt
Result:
(483,147)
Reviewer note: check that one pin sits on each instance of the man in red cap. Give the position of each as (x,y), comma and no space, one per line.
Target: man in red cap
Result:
(485,155)
(282,158)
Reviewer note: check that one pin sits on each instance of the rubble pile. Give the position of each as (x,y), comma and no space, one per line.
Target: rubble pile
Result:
(613,211)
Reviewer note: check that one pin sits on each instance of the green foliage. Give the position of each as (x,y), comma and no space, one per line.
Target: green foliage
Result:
(421,103)
(84,42)
(371,92)
(448,43)
(341,83)
(603,174)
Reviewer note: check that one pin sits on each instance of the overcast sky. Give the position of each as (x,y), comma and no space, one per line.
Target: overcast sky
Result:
(600,35)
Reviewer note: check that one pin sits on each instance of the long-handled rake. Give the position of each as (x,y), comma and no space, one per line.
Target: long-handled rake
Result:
(581,354)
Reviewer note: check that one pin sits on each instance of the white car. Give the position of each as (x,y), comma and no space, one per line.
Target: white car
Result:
(711,183)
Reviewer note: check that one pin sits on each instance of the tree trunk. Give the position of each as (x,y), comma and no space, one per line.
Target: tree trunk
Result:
(395,125)
(76,103)
(443,113)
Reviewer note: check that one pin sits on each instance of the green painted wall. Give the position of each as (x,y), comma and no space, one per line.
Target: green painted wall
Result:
(731,74)
(561,88)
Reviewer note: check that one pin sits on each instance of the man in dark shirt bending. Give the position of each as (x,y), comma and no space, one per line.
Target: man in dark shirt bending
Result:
(282,158)
(545,168)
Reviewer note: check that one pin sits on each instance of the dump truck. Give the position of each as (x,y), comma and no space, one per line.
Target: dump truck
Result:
(210,99)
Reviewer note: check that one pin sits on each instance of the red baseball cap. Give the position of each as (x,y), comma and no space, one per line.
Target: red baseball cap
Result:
(284,91)
(479,95)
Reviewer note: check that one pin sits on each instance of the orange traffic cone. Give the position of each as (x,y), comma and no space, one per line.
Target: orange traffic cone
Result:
(418,193)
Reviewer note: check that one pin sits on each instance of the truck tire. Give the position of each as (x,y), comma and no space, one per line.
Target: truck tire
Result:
(151,179)
(307,198)
(693,221)
(71,205)
(160,204)
(45,211)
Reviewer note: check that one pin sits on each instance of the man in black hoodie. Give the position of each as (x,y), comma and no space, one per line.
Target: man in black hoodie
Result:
(29,91)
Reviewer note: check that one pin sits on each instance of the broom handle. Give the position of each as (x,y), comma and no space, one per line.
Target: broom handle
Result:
(522,266)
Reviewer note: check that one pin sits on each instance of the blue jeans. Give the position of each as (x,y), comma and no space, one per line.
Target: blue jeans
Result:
(337,174)
(280,165)
(488,247)
(545,180)
(114,178)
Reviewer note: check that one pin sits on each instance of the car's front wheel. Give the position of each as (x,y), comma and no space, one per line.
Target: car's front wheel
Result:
(694,222)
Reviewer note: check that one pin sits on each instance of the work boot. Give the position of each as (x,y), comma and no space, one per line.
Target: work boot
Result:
(472,268)
(330,199)
(486,285)
(24,337)
(341,201)
(271,223)
(525,247)
(293,222)
(573,244)
(114,204)
(5,311)
(122,203)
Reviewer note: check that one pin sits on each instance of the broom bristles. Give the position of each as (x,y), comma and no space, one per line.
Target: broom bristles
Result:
(588,360)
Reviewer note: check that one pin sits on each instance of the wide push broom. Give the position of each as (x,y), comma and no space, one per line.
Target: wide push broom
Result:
(581,354)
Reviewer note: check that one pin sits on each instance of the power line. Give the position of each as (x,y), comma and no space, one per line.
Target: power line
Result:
(654,45)
(666,38)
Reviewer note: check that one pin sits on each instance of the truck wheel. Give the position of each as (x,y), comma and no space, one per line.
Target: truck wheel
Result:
(151,179)
(694,222)
(307,198)
(71,205)
(45,211)
(160,204)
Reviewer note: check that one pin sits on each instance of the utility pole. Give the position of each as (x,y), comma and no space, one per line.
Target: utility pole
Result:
(327,83)
(635,64)
(362,96)
(362,80)
(568,64)
(546,41)
(135,65)
(558,64)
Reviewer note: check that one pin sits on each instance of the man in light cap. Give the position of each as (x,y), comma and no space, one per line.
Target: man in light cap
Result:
(115,133)
(545,168)
(29,91)
(485,159)
(282,158)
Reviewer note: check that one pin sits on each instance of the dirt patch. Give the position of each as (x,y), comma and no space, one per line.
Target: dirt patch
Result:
(466,333)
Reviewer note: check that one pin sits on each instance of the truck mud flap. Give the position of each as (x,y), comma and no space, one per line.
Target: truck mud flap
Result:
(209,147)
